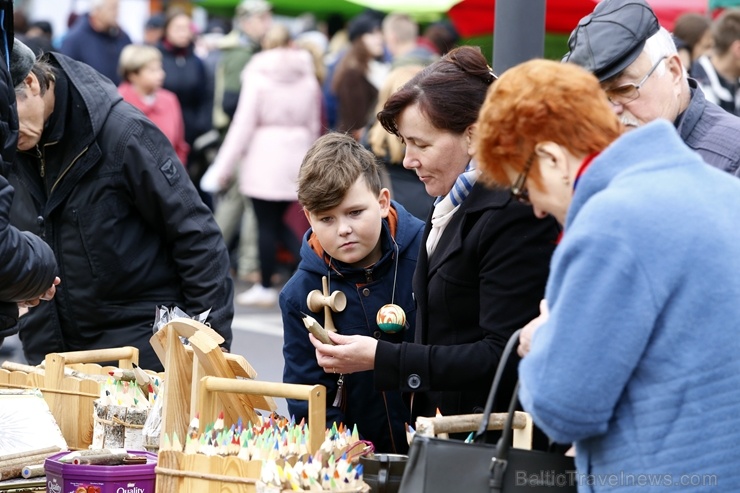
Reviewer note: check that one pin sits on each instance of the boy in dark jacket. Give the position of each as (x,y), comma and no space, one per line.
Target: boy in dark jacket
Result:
(367,246)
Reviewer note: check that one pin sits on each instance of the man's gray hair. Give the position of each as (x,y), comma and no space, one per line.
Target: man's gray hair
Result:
(660,45)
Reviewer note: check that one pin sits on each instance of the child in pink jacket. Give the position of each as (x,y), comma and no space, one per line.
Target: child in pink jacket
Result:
(276,121)
(141,69)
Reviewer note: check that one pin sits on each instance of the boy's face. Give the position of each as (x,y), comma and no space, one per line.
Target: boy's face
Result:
(350,232)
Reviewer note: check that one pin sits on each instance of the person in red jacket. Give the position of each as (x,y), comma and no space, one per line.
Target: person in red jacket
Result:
(140,67)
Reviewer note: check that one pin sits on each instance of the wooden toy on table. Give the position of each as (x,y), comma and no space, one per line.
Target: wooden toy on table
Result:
(185,366)
(334,302)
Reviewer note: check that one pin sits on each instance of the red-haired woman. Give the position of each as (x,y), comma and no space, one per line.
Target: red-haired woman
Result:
(637,360)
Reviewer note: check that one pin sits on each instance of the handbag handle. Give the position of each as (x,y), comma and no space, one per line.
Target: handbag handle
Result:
(494,389)
(504,444)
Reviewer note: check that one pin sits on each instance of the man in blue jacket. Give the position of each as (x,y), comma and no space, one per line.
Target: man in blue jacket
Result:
(97,40)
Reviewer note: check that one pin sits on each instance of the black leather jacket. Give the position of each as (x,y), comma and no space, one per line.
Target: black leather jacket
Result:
(127,226)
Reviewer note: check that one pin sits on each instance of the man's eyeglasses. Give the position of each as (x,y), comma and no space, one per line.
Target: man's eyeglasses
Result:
(518,191)
(629,92)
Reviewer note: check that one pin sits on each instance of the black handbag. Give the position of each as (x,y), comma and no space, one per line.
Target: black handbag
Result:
(437,465)
(383,472)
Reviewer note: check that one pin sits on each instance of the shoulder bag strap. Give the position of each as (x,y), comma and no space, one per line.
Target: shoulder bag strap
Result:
(480,434)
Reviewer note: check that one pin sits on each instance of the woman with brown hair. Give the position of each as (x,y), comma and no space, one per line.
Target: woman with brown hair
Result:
(359,74)
(403,183)
(482,268)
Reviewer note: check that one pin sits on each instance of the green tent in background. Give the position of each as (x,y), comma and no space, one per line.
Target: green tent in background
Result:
(555,44)
(424,10)
(720,4)
(320,8)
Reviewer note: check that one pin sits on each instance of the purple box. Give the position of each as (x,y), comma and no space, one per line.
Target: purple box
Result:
(70,478)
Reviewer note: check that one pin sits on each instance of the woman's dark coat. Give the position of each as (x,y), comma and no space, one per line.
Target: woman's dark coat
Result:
(484,281)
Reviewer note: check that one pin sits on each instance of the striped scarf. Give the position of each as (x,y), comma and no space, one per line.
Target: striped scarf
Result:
(445,207)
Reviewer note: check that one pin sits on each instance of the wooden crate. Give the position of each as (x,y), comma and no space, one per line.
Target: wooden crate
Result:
(198,473)
(186,365)
(70,382)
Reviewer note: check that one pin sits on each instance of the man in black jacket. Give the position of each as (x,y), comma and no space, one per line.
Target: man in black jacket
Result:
(103,186)
(27,265)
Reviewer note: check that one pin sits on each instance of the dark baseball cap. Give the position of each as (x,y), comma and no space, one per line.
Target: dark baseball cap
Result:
(609,39)
(22,59)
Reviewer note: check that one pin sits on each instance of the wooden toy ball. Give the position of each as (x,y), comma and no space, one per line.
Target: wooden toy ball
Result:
(391,318)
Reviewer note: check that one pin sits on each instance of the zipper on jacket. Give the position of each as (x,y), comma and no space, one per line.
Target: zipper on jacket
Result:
(42,161)
(61,175)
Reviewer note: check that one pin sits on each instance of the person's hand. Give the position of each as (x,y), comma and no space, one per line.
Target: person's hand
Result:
(47,296)
(224,182)
(349,354)
(525,336)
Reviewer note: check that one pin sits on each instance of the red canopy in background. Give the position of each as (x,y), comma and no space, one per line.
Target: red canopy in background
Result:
(670,10)
(475,17)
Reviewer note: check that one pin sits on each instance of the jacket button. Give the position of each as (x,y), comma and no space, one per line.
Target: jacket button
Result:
(40,221)
(376,334)
(366,292)
(414,381)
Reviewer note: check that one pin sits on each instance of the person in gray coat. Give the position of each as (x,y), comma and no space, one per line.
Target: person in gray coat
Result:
(636,61)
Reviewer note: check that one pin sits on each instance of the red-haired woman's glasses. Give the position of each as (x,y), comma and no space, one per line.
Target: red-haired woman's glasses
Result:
(518,190)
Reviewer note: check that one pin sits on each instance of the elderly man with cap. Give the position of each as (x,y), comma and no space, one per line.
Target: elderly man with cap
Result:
(27,264)
(635,60)
(102,185)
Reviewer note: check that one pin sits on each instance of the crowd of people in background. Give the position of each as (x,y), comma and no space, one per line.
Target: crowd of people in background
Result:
(189,81)
(399,168)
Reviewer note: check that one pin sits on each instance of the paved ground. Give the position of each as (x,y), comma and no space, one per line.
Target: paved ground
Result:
(258,336)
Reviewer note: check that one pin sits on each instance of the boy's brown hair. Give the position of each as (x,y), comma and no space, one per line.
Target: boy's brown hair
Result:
(726,30)
(330,168)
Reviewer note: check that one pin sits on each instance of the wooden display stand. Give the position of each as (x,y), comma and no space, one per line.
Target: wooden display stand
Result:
(70,382)
(185,366)
(440,426)
(181,472)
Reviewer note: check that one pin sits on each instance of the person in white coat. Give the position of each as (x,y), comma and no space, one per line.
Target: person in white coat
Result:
(277,119)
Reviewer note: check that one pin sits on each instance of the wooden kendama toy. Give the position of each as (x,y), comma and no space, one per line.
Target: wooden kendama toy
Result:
(334,302)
